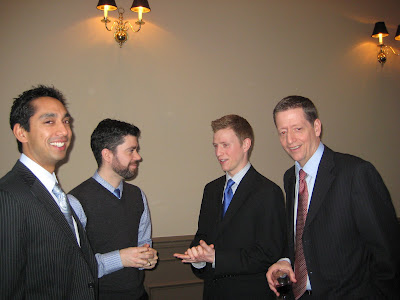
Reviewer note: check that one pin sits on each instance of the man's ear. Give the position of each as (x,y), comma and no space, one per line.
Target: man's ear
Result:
(317,127)
(20,133)
(107,155)
(246,144)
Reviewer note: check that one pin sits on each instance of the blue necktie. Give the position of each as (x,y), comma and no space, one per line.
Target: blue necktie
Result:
(228,195)
(64,205)
(117,193)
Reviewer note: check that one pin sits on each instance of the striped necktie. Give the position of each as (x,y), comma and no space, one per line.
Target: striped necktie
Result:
(300,268)
(64,205)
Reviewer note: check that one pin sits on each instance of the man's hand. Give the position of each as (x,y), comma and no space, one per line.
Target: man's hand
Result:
(282,264)
(151,262)
(139,257)
(200,253)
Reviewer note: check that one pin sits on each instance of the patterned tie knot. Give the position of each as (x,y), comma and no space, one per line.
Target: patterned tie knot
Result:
(302,174)
(57,190)
(61,197)
(302,182)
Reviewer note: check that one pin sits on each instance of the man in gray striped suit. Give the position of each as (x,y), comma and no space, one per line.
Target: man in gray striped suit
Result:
(350,242)
(42,256)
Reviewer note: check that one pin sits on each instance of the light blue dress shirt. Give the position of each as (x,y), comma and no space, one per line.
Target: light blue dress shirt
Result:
(311,169)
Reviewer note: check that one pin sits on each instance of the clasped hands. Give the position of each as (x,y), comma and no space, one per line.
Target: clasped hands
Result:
(200,253)
(139,257)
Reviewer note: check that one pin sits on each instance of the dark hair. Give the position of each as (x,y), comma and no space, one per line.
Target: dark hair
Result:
(239,125)
(291,102)
(108,135)
(22,109)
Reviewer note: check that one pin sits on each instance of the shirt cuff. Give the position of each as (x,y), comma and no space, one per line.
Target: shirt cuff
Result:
(199,265)
(285,259)
(109,262)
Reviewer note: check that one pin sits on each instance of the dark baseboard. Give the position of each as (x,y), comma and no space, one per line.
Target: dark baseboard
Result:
(171,279)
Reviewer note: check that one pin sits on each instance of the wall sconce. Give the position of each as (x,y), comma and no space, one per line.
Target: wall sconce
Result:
(380,32)
(121,27)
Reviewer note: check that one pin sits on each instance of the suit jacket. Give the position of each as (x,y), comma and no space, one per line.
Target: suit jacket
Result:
(39,254)
(351,236)
(250,237)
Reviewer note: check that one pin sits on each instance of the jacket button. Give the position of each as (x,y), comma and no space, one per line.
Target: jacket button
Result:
(91,285)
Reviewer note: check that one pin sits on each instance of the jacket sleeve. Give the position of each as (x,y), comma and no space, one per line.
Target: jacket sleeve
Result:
(377,223)
(204,232)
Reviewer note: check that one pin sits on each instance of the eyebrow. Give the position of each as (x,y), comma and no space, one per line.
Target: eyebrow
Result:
(52,115)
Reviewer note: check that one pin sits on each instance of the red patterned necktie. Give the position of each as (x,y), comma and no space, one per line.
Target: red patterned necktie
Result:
(300,268)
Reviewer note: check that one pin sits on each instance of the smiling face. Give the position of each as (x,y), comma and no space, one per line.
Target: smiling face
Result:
(298,137)
(230,152)
(49,134)
(126,158)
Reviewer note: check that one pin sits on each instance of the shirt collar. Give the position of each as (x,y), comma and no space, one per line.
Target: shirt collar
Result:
(311,167)
(46,178)
(237,178)
(107,185)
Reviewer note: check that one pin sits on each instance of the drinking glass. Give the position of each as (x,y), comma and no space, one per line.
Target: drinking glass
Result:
(283,283)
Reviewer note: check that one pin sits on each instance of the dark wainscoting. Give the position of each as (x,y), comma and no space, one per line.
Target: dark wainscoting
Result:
(171,279)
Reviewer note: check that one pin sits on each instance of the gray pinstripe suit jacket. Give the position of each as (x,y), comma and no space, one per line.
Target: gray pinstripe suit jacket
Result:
(39,255)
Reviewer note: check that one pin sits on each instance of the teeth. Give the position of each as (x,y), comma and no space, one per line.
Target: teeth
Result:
(294,148)
(58,144)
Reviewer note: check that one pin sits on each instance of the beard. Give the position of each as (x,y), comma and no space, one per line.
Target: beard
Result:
(124,171)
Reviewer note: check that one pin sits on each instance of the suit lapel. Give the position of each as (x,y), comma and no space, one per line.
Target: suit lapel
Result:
(290,199)
(240,196)
(40,192)
(322,185)
(218,196)
(85,248)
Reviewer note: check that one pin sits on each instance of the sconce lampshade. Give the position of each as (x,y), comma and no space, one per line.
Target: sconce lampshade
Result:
(397,36)
(111,4)
(140,3)
(379,28)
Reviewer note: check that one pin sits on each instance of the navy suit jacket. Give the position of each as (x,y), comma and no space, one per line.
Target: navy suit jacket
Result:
(250,237)
(351,236)
(39,254)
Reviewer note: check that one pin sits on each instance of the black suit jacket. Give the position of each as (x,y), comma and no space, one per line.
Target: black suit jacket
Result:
(39,255)
(351,236)
(250,237)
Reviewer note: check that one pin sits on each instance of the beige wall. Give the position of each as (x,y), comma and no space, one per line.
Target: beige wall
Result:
(195,61)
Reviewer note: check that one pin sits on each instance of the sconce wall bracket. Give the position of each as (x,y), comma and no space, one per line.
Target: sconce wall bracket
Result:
(121,26)
(380,32)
